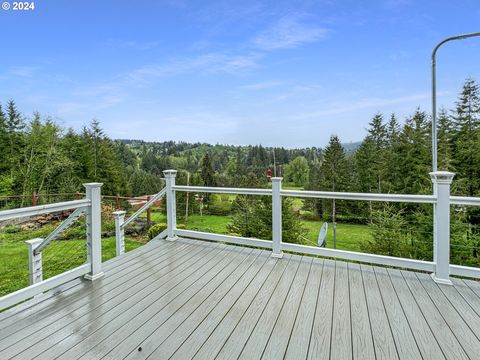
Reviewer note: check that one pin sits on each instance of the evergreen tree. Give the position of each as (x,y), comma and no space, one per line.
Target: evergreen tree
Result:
(206,171)
(414,155)
(444,136)
(3,140)
(14,126)
(334,171)
(466,140)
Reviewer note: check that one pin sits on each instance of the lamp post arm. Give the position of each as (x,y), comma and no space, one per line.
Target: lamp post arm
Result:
(434,93)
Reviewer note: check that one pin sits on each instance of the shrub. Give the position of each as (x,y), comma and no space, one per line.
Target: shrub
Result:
(12,229)
(156,229)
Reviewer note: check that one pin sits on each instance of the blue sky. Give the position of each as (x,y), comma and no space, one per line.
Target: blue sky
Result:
(284,73)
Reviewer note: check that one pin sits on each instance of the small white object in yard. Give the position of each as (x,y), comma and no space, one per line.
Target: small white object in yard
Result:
(322,236)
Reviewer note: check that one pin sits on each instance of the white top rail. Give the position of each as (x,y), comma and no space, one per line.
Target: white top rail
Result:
(423,199)
(222,190)
(464,200)
(43,209)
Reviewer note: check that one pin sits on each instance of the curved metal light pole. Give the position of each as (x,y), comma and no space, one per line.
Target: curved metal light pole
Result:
(434,93)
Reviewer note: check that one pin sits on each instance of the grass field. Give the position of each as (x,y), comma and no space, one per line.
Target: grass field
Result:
(349,236)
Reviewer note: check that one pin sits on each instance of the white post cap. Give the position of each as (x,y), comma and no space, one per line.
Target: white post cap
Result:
(169,173)
(442,177)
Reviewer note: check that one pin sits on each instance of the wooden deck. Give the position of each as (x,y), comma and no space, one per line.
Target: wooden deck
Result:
(193,299)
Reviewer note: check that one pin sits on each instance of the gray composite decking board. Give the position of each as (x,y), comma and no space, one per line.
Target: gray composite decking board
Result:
(407,347)
(446,339)
(469,316)
(226,294)
(132,313)
(220,315)
(300,337)
(258,339)
(73,332)
(341,340)
(320,338)
(462,331)
(474,285)
(232,333)
(362,342)
(75,286)
(237,339)
(426,342)
(169,336)
(277,344)
(77,309)
(470,297)
(117,276)
(130,337)
(383,341)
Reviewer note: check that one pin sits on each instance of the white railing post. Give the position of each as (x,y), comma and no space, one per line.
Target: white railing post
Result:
(441,232)
(119,231)
(276,217)
(94,230)
(171,204)
(34,261)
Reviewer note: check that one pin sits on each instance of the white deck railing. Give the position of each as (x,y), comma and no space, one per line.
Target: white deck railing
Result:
(92,269)
(441,200)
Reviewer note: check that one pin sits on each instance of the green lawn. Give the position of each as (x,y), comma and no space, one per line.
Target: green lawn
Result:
(349,236)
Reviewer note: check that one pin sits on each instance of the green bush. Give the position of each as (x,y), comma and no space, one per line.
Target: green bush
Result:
(155,230)
(12,229)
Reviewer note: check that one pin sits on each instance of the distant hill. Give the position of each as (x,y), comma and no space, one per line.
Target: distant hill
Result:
(351,146)
(181,146)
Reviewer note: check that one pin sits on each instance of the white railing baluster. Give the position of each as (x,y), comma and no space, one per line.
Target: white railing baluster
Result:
(119,231)
(34,261)
(94,230)
(441,246)
(171,204)
(277,217)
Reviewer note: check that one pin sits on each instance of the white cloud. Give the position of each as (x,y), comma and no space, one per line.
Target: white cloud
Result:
(288,32)
(366,103)
(131,44)
(262,85)
(23,71)
(207,63)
